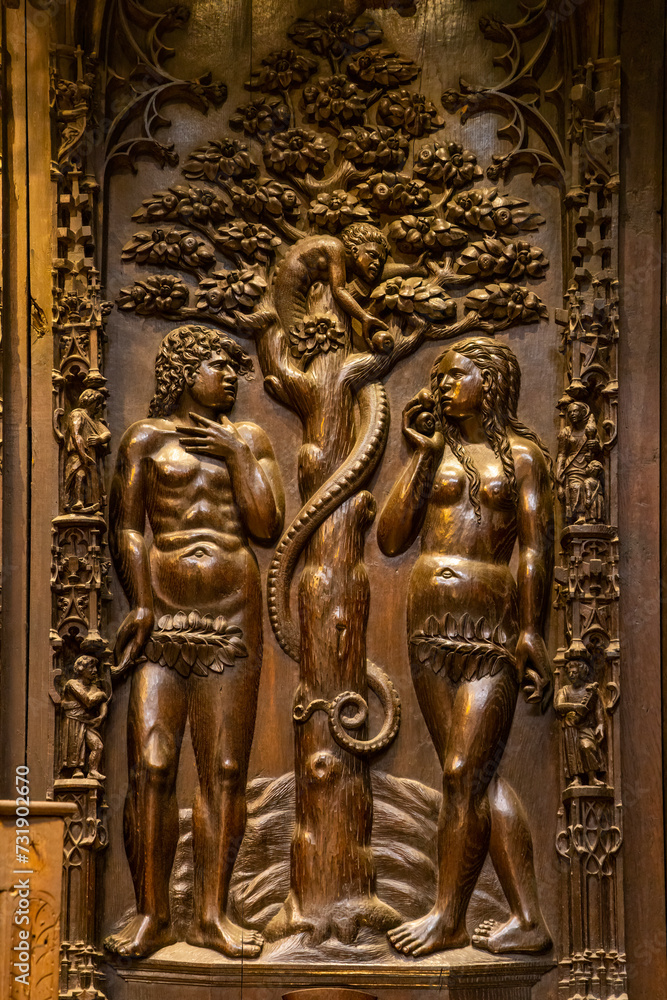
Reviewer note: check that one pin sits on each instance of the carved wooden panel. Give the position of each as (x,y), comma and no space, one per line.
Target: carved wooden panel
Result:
(335,645)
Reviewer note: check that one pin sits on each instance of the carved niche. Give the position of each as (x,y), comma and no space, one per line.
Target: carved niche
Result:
(304,778)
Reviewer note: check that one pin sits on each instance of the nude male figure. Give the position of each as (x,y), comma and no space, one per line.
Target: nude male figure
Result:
(204,485)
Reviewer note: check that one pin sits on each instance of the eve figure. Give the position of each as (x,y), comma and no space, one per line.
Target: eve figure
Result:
(477,483)
(361,252)
(193,636)
(582,715)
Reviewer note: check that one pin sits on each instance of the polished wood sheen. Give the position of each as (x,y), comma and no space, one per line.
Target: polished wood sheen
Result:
(329,403)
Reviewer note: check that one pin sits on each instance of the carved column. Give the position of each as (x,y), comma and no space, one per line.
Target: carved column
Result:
(79,566)
(591,815)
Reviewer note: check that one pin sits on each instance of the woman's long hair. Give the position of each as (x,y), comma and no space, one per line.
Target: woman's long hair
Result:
(499,405)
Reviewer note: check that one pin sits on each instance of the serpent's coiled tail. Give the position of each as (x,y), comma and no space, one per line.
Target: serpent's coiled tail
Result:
(343,484)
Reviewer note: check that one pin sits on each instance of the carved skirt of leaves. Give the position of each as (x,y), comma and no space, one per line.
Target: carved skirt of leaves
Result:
(464,648)
(194,643)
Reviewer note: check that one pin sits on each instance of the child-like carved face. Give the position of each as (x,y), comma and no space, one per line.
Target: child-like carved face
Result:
(368,261)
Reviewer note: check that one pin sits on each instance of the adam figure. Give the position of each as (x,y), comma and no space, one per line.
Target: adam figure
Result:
(204,485)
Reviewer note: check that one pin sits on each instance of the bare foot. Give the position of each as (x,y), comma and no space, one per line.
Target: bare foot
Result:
(224,936)
(511,936)
(429,933)
(141,936)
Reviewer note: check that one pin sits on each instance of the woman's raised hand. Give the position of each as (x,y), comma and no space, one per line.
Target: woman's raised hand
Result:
(420,427)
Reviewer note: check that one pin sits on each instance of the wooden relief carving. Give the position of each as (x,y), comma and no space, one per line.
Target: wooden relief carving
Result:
(331,230)
(291,233)
(475,635)
(204,485)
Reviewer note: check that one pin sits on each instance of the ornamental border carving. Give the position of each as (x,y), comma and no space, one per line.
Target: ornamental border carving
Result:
(581,156)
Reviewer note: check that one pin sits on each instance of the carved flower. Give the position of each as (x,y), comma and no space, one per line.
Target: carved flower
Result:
(252,241)
(407,193)
(415,234)
(334,33)
(382,68)
(161,293)
(451,164)
(334,100)
(225,157)
(470,208)
(394,192)
(485,209)
(318,334)
(184,202)
(177,247)
(261,117)
(161,205)
(412,112)
(374,147)
(245,197)
(414,295)
(503,259)
(281,70)
(336,210)
(506,304)
(452,100)
(230,290)
(297,150)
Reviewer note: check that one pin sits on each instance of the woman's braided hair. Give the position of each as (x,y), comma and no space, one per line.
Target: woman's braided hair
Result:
(499,405)
(181,353)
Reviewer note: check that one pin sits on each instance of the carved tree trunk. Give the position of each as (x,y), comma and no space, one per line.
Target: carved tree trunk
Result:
(332,870)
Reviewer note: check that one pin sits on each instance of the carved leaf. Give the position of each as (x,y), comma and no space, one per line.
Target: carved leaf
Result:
(465,648)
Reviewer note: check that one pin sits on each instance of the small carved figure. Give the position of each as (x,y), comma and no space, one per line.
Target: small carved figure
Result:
(194,630)
(84,706)
(578,445)
(593,493)
(86,437)
(361,252)
(582,716)
(477,484)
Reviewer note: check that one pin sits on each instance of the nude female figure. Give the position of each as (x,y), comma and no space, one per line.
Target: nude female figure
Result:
(472,489)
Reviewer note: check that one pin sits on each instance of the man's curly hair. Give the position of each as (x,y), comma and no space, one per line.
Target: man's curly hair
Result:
(181,353)
(358,233)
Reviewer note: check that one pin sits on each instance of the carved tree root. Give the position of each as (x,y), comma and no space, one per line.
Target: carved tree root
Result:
(342,485)
(379,682)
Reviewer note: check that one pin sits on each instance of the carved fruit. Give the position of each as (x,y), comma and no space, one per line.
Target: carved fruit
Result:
(383,343)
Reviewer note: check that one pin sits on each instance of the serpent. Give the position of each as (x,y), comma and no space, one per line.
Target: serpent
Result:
(343,484)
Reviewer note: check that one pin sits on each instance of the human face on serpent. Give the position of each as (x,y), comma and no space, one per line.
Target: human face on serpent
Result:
(369,261)
(216,383)
(461,386)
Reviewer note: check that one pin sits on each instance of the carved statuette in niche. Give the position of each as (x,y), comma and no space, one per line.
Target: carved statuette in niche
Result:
(478,481)
(579,472)
(193,636)
(84,706)
(86,439)
(580,708)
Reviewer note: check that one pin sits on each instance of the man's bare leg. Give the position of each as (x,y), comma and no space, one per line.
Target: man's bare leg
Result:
(156,720)
(511,850)
(222,717)
(480,722)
